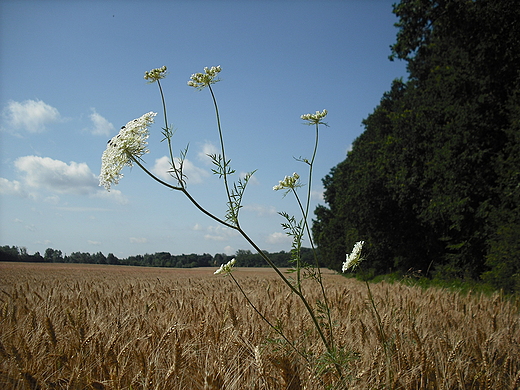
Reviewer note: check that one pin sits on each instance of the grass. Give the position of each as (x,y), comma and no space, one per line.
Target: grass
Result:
(66,326)
(454,285)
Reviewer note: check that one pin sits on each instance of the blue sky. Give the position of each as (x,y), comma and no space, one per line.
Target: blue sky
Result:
(71,74)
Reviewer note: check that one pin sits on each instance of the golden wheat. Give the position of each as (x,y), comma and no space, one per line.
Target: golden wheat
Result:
(66,326)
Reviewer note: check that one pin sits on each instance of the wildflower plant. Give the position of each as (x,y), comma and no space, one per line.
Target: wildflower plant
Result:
(127,149)
(203,80)
(226,268)
(155,74)
(354,258)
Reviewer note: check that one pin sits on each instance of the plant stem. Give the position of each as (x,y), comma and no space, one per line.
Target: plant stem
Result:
(305,213)
(168,135)
(319,277)
(185,192)
(163,104)
(311,164)
(224,162)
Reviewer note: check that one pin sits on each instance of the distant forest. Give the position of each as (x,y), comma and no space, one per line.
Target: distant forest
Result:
(245,258)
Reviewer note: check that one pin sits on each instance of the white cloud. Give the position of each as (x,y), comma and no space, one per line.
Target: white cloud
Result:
(54,199)
(197,227)
(317,195)
(8,187)
(55,175)
(30,115)
(252,179)
(219,233)
(161,167)
(278,238)
(81,209)
(261,210)
(100,125)
(30,228)
(207,149)
(138,240)
(114,195)
(229,250)
(90,242)
(194,174)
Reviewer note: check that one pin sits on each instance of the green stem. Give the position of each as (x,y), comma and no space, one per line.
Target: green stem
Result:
(185,192)
(318,270)
(164,105)
(224,162)
(311,164)
(306,224)
(320,279)
(168,135)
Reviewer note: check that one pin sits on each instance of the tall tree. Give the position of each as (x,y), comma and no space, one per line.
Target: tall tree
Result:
(425,179)
(53,256)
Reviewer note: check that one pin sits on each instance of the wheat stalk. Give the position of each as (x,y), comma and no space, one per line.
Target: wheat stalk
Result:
(49,327)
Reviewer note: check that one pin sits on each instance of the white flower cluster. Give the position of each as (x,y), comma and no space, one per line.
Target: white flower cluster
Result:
(226,268)
(202,80)
(288,183)
(130,142)
(155,74)
(353,260)
(315,119)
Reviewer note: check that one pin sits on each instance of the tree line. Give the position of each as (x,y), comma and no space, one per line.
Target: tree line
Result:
(244,258)
(433,182)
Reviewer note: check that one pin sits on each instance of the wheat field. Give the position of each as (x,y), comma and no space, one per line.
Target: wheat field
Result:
(66,326)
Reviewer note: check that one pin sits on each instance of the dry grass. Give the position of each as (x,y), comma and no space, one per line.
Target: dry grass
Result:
(106,327)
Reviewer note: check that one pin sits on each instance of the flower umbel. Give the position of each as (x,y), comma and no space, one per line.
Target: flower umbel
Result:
(353,260)
(226,268)
(129,143)
(202,80)
(155,74)
(288,183)
(315,119)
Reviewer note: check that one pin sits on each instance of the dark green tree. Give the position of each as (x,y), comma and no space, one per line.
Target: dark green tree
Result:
(53,256)
(424,184)
(111,259)
(98,258)
(8,253)
(503,256)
